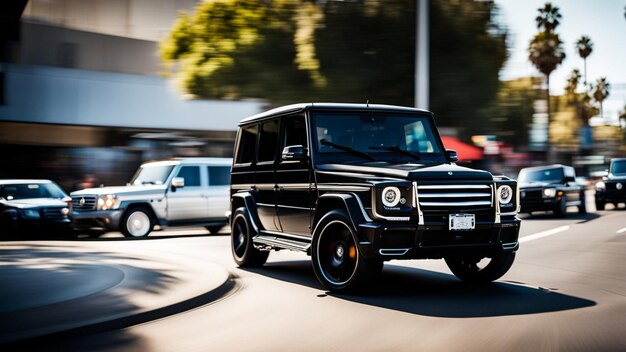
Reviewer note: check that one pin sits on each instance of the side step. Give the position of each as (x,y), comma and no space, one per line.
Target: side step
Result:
(291,243)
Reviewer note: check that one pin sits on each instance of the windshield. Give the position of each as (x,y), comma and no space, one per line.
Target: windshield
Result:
(618,167)
(31,190)
(371,135)
(152,175)
(543,175)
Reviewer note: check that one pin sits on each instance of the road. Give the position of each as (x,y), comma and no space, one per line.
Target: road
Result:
(566,291)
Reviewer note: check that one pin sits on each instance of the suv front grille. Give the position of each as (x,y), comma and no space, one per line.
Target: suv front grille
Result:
(454,197)
(82,203)
(53,214)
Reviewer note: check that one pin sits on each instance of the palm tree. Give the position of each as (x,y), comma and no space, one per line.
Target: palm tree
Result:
(601,92)
(584,47)
(572,82)
(548,17)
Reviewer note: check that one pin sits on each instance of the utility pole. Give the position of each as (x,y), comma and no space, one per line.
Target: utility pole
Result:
(421,54)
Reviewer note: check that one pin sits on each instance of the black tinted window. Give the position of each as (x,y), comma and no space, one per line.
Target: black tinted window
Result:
(191,174)
(268,140)
(219,175)
(247,144)
(31,190)
(618,167)
(295,131)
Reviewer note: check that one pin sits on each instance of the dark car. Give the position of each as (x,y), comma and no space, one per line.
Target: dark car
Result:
(33,208)
(612,187)
(550,188)
(355,185)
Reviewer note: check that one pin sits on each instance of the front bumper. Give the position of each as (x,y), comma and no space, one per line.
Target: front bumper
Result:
(542,204)
(105,219)
(434,241)
(611,195)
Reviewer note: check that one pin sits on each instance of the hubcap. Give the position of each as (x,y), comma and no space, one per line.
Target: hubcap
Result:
(138,224)
(337,254)
(239,238)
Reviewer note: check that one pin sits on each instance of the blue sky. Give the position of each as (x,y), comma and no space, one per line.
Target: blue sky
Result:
(602,20)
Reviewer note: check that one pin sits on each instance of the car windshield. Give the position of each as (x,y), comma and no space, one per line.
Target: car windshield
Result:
(543,175)
(618,168)
(31,190)
(152,175)
(370,134)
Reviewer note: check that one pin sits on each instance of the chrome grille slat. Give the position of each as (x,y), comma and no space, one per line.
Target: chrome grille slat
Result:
(456,195)
(89,203)
(433,199)
(53,213)
(456,204)
(453,187)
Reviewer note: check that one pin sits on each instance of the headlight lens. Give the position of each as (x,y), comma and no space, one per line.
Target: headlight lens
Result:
(600,186)
(619,186)
(107,202)
(31,213)
(391,196)
(505,194)
(549,192)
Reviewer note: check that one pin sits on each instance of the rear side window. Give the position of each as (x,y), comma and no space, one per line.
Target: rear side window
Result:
(268,140)
(191,174)
(247,144)
(295,131)
(219,175)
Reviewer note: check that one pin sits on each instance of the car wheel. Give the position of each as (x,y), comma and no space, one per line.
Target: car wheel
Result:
(9,228)
(599,205)
(137,222)
(214,230)
(337,263)
(582,208)
(561,208)
(477,271)
(242,246)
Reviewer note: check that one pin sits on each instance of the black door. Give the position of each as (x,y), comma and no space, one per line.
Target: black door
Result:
(266,174)
(294,182)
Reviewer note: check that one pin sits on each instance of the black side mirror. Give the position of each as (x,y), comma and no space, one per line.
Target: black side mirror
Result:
(452,155)
(570,179)
(294,152)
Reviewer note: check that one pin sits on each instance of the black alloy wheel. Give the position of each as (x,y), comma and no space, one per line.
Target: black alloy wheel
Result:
(480,270)
(242,246)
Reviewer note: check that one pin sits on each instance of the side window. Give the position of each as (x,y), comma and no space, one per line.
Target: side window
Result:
(219,175)
(295,131)
(247,144)
(569,172)
(191,174)
(268,140)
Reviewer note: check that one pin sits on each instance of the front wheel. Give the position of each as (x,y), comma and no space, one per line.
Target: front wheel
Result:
(561,208)
(474,270)
(337,263)
(136,222)
(599,205)
(242,246)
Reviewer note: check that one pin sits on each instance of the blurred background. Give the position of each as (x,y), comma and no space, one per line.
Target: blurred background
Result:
(90,89)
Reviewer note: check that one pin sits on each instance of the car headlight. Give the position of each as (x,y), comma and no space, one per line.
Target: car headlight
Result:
(391,196)
(505,194)
(600,186)
(549,192)
(619,186)
(107,202)
(31,214)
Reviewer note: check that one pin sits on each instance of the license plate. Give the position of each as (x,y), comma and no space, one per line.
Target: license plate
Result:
(462,222)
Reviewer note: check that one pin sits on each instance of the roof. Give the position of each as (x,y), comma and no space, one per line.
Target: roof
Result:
(194,160)
(23,181)
(330,106)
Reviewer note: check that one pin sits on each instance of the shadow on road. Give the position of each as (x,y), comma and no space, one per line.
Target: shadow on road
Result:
(436,294)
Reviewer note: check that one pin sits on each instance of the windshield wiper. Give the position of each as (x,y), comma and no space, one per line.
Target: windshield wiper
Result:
(395,148)
(348,149)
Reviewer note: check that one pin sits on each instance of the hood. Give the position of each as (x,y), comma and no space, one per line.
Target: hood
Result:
(538,184)
(35,202)
(119,190)
(413,172)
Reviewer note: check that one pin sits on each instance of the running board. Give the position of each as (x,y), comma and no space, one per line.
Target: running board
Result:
(280,242)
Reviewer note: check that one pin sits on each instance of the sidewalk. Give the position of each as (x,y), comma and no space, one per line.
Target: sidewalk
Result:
(48,289)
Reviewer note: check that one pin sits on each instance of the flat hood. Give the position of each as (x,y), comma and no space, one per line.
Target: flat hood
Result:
(537,184)
(35,202)
(119,190)
(413,172)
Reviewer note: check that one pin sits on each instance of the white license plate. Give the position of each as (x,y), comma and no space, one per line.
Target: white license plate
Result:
(462,222)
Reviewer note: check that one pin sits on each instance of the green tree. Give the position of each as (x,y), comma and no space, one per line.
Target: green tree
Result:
(548,17)
(572,84)
(601,92)
(584,46)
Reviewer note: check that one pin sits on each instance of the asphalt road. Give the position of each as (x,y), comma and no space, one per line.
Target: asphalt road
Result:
(566,291)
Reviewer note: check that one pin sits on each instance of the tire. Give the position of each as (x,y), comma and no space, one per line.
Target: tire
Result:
(9,228)
(136,223)
(467,269)
(242,246)
(582,208)
(561,208)
(600,205)
(214,230)
(337,263)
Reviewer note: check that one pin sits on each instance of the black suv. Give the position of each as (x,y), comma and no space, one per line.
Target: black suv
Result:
(550,188)
(612,188)
(355,185)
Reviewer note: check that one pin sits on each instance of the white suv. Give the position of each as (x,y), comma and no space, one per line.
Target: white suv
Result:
(176,192)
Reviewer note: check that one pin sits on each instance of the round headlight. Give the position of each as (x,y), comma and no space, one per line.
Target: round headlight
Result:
(391,196)
(505,194)
(549,192)
(65,211)
(619,186)
(600,186)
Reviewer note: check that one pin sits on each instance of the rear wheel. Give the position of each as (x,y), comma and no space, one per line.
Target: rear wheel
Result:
(582,208)
(337,263)
(137,222)
(600,205)
(242,246)
(480,270)
(214,230)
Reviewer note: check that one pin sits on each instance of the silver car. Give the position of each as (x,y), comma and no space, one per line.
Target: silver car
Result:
(175,192)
